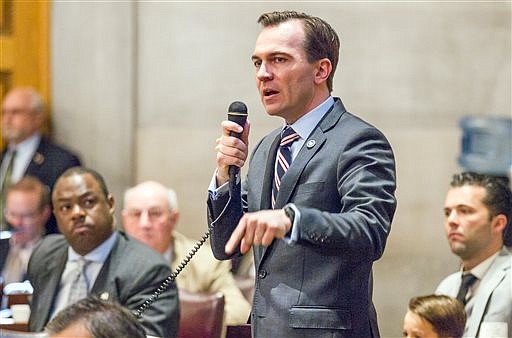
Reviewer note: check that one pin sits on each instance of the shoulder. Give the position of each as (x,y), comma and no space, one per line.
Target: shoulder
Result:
(449,285)
(50,246)
(128,251)
(48,147)
(203,259)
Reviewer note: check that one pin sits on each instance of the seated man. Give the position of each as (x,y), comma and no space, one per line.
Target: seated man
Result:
(150,215)
(94,318)
(477,215)
(27,209)
(91,258)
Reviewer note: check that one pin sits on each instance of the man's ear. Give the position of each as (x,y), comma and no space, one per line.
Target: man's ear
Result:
(322,70)
(174,217)
(499,223)
(46,212)
(111,203)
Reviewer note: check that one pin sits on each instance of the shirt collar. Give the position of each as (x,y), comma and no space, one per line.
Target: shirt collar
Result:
(99,254)
(168,254)
(305,125)
(480,270)
(29,145)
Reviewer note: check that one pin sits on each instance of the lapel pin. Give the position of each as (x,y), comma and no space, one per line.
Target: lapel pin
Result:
(104,296)
(38,158)
(310,144)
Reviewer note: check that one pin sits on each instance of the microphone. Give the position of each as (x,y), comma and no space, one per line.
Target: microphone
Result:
(237,112)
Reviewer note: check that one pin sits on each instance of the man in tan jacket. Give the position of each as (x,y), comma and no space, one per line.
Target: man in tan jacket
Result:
(150,214)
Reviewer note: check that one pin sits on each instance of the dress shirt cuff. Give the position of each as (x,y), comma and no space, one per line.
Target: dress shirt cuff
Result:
(215,191)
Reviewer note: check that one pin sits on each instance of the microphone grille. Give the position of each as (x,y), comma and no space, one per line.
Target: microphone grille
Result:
(238,107)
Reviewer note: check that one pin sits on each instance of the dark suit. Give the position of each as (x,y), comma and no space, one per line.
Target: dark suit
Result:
(131,273)
(47,164)
(343,186)
(4,251)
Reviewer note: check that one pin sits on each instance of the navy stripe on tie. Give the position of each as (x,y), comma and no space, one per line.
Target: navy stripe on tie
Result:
(283,159)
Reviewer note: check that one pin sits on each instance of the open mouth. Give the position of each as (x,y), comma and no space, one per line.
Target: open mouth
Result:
(269,92)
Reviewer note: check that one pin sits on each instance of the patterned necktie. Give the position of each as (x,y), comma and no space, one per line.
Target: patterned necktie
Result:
(80,283)
(283,159)
(467,281)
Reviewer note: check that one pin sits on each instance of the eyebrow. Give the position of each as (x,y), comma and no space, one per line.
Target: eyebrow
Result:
(272,54)
(84,195)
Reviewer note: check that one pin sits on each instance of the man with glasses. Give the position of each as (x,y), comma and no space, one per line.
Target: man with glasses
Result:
(26,210)
(28,153)
(150,215)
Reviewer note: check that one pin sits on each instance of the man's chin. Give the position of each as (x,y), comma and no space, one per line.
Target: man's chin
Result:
(458,249)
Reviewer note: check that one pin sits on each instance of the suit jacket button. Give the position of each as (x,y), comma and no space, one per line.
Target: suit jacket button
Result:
(262,274)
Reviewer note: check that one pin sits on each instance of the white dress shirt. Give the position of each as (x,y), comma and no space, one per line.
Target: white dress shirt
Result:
(96,258)
(24,153)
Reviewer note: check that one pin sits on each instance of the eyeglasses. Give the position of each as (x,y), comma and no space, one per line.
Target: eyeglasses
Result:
(24,217)
(153,213)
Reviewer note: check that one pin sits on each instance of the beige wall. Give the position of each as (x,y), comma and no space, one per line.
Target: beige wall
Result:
(139,89)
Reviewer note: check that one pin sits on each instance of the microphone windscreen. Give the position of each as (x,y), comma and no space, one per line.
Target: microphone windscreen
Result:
(237,112)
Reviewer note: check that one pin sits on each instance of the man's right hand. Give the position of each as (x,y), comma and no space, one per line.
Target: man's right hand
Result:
(230,149)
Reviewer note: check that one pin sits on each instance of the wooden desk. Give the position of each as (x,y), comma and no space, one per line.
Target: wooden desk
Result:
(15,327)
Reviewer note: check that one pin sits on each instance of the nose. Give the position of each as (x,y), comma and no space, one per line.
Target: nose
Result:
(452,218)
(15,220)
(77,212)
(264,73)
(144,219)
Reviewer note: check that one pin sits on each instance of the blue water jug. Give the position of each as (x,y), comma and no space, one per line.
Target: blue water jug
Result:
(486,145)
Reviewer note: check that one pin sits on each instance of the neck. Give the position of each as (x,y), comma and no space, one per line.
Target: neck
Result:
(471,262)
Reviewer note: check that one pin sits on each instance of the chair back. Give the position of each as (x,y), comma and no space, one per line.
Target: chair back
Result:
(201,314)
(239,331)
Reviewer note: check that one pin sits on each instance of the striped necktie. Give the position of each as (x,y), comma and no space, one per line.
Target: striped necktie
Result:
(283,159)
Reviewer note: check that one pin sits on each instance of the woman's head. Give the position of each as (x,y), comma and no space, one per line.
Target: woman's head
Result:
(434,316)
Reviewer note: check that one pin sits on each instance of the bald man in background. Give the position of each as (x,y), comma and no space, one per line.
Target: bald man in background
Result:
(150,215)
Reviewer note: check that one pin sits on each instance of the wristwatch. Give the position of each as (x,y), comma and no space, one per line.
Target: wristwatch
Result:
(288,210)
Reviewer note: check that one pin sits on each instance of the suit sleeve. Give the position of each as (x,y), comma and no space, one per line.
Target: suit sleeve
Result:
(224,212)
(162,317)
(364,183)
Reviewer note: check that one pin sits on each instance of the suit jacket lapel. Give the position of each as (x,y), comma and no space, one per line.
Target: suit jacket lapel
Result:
(311,146)
(291,178)
(491,280)
(38,159)
(105,285)
(52,275)
(266,192)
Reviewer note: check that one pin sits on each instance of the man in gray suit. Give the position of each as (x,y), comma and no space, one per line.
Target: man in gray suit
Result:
(115,267)
(319,217)
(478,210)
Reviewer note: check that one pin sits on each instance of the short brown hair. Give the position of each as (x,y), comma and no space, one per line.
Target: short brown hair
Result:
(32,184)
(321,41)
(446,314)
(101,318)
(498,197)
